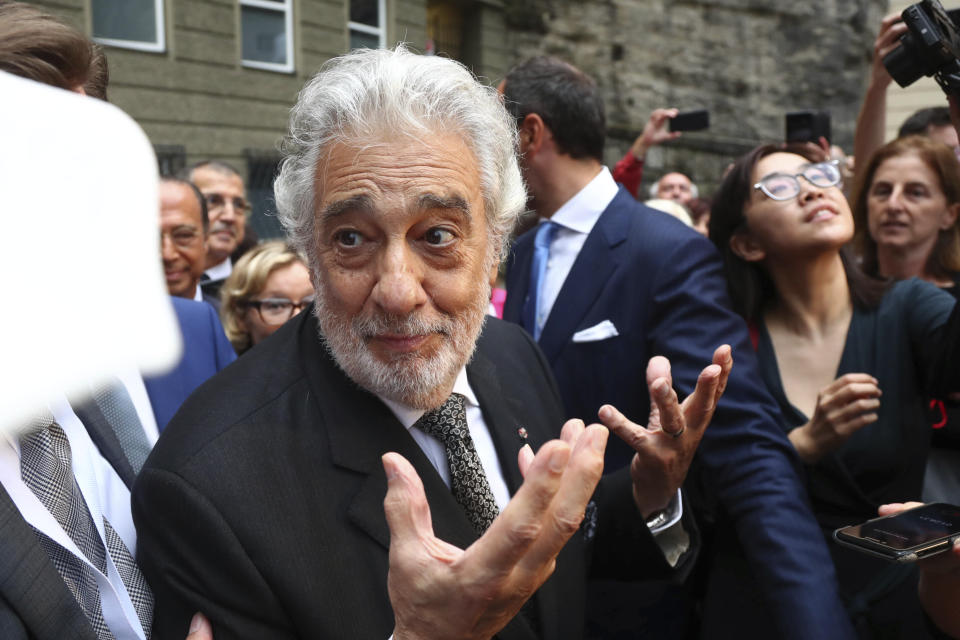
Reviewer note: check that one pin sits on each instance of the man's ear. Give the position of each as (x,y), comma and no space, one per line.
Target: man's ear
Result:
(743,245)
(532,134)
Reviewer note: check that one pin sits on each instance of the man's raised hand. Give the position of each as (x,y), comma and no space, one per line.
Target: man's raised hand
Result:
(665,447)
(439,591)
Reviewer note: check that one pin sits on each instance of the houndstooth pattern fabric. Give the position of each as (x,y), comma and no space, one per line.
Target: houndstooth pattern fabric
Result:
(121,415)
(46,468)
(137,587)
(448,424)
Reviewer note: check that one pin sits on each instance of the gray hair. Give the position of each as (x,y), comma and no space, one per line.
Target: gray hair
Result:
(370,92)
(655,187)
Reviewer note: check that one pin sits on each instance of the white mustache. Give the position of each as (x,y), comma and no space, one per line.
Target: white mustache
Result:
(411,325)
(223,226)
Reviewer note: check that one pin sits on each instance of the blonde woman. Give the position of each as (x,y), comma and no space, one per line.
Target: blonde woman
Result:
(269,285)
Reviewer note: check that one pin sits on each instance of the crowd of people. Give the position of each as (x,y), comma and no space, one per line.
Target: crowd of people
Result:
(353,447)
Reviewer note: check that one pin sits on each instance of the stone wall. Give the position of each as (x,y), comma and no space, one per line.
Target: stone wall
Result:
(747,61)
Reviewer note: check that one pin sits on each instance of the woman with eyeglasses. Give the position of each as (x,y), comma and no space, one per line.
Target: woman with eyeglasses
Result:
(269,285)
(848,358)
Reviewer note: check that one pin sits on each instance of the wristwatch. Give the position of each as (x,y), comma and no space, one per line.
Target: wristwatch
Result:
(657,519)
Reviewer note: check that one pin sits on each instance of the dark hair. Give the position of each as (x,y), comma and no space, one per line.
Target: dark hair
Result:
(944,259)
(565,98)
(214,165)
(920,122)
(751,288)
(203,201)
(99,78)
(39,47)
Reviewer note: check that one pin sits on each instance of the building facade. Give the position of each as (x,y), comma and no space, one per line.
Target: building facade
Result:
(215,79)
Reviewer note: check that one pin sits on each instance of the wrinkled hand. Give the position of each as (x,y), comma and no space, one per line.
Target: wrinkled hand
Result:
(888,39)
(200,628)
(655,132)
(439,591)
(661,461)
(845,405)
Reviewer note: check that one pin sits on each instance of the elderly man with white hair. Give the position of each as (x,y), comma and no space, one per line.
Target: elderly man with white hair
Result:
(369,469)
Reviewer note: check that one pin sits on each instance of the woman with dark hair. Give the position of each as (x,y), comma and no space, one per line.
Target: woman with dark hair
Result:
(845,356)
(905,208)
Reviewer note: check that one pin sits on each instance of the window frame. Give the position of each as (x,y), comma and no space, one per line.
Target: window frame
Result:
(380,31)
(287,10)
(159,46)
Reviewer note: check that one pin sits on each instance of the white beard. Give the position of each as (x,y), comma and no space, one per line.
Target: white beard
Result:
(412,379)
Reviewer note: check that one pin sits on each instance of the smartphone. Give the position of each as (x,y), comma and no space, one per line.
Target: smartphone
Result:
(690,120)
(807,126)
(906,536)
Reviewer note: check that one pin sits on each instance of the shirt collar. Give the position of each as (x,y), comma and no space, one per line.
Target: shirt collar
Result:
(221,270)
(408,416)
(582,211)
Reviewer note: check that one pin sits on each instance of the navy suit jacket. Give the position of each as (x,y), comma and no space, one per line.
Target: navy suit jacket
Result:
(206,351)
(661,285)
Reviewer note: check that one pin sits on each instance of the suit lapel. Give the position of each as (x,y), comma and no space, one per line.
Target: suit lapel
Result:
(596,262)
(104,438)
(504,412)
(360,429)
(30,584)
(518,277)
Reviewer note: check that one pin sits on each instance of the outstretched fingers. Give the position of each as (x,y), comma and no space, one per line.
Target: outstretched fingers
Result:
(520,524)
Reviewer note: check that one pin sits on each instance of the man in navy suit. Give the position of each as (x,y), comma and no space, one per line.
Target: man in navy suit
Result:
(206,351)
(605,283)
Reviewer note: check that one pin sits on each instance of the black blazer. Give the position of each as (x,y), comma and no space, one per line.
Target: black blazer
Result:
(34,600)
(262,503)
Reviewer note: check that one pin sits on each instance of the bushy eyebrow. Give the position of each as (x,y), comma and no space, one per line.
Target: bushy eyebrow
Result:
(433,201)
(340,207)
(425,201)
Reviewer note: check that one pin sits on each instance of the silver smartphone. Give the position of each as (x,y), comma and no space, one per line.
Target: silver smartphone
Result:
(906,536)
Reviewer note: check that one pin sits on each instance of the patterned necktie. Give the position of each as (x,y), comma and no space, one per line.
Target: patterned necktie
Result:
(121,415)
(46,468)
(538,274)
(469,484)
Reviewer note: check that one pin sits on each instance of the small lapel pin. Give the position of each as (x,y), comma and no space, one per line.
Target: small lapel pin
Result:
(522,433)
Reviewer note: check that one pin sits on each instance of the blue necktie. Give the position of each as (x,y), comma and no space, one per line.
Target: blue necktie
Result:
(538,272)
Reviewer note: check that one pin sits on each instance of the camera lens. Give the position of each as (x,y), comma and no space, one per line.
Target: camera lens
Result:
(902,62)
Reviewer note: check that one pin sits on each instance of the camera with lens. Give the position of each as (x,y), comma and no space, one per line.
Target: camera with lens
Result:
(931,47)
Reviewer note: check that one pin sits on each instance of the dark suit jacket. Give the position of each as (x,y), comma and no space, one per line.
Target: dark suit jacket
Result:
(662,286)
(262,503)
(206,351)
(34,601)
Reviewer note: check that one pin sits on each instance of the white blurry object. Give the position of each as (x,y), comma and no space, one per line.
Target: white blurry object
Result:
(672,207)
(83,294)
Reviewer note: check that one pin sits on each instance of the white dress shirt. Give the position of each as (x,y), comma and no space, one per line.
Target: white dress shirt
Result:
(105,494)
(575,219)
(479,432)
(220,271)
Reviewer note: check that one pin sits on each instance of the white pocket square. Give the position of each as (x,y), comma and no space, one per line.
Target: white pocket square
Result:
(597,332)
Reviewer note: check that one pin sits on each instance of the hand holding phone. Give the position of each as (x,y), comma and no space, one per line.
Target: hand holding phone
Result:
(907,536)
(690,120)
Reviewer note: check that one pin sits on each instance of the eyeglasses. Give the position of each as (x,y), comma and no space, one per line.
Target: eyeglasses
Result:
(217,201)
(784,186)
(278,310)
(181,237)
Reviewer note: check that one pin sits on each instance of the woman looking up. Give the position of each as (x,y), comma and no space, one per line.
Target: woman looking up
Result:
(846,357)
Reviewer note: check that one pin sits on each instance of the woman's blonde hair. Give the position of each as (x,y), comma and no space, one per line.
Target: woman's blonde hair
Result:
(246,281)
